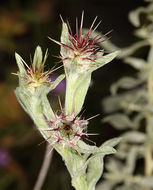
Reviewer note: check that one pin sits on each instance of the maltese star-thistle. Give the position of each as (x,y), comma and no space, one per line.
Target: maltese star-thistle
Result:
(67,130)
(81,55)
(82,49)
(35,76)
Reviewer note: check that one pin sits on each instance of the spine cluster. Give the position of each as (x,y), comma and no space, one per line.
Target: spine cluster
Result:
(67,129)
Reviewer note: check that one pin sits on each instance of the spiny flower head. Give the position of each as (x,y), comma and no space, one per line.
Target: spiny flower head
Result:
(34,75)
(67,130)
(81,49)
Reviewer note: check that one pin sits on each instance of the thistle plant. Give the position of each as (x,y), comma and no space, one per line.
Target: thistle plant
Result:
(131,105)
(65,130)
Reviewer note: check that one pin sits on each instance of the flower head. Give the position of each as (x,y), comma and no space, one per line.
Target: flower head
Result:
(34,75)
(81,49)
(67,129)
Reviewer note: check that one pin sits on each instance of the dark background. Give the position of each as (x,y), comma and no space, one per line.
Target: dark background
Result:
(24,25)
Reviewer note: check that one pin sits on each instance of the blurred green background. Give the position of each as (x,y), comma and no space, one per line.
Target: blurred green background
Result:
(23,25)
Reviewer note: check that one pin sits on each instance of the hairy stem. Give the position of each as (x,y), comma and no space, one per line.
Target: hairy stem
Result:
(70,92)
(80,183)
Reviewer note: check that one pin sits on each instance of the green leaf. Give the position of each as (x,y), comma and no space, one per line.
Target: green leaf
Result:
(95,169)
(78,84)
(131,160)
(112,103)
(47,110)
(95,166)
(37,60)
(134,137)
(134,16)
(17,93)
(114,166)
(119,121)
(112,142)
(133,48)
(105,150)
(80,94)
(100,62)
(125,82)
(137,63)
(76,89)
(88,149)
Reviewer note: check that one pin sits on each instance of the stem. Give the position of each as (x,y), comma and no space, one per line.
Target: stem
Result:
(70,92)
(148,154)
(44,168)
(80,182)
(148,160)
(76,90)
(76,165)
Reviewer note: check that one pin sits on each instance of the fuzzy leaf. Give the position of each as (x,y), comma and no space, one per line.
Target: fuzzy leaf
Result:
(87,149)
(112,103)
(130,161)
(77,85)
(137,63)
(103,150)
(112,142)
(100,62)
(114,166)
(80,94)
(133,48)
(134,16)
(134,137)
(17,93)
(95,169)
(47,110)
(119,121)
(125,82)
